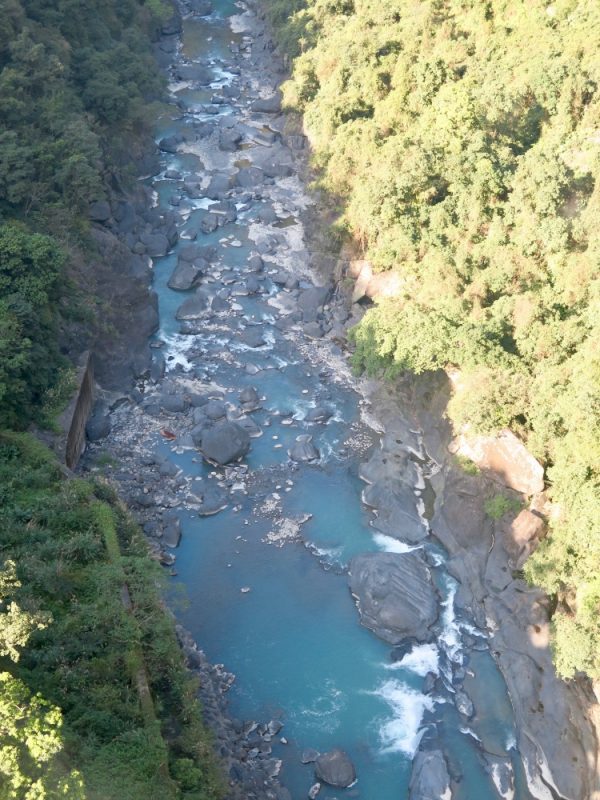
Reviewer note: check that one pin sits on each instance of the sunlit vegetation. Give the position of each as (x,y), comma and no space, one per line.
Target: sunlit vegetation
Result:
(74,722)
(464,138)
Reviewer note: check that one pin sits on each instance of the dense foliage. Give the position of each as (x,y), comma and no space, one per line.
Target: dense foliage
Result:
(463,137)
(75,81)
(72,721)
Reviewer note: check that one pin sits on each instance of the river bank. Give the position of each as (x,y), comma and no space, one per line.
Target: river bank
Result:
(252,351)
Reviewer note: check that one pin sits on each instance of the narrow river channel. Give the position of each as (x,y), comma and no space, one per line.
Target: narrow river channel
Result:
(261,573)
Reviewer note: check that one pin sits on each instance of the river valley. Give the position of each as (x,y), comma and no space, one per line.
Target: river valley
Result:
(261,536)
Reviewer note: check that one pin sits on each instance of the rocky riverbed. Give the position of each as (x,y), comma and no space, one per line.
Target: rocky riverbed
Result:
(244,450)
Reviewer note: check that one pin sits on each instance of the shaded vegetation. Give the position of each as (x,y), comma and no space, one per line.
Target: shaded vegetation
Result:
(464,138)
(73,722)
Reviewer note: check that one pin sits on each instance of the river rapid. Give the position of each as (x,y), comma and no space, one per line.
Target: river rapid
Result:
(259,550)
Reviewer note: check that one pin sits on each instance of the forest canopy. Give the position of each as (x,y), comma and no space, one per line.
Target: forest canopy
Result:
(463,138)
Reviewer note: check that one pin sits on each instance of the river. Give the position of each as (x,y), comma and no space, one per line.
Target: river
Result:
(262,583)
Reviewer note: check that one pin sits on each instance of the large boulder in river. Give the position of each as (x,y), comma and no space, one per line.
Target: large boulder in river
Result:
(194,307)
(397,512)
(225,442)
(267,105)
(187,274)
(429,779)
(335,768)
(395,595)
(304,450)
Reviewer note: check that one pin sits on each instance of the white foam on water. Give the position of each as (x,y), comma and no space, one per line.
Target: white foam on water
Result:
(450,635)
(403,732)
(509,794)
(471,733)
(390,545)
(423,658)
(177,346)
(323,713)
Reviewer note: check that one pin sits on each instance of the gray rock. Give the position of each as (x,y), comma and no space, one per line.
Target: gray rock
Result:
(313,330)
(194,72)
(335,768)
(249,398)
(318,414)
(215,410)
(395,595)
(156,244)
(309,755)
(224,443)
(173,403)
(98,425)
(464,704)
(313,298)
(429,779)
(187,274)
(218,187)
(314,791)
(229,140)
(170,143)
(267,105)
(252,337)
(194,307)
(250,426)
(172,532)
(201,8)
(249,176)
(304,450)
(397,509)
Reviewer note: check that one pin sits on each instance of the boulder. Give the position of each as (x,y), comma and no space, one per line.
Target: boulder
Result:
(215,410)
(335,768)
(523,536)
(225,442)
(98,425)
(170,143)
(304,450)
(187,274)
(252,337)
(396,505)
(267,105)
(194,307)
(229,140)
(249,398)
(429,779)
(314,298)
(395,595)
(218,187)
(172,532)
(506,459)
(173,403)
(249,176)
(318,414)
(156,244)
(194,72)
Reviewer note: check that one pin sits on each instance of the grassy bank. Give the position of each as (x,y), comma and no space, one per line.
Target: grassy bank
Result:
(463,139)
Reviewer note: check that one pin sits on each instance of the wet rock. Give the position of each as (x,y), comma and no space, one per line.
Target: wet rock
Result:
(219,304)
(170,144)
(335,768)
(249,398)
(213,501)
(215,410)
(304,450)
(172,532)
(252,337)
(187,274)
(396,505)
(194,307)
(313,330)
(250,426)
(314,791)
(318,414)
(429,779)
(157,368)
(395,595)
(429,683)
(309,755)
(464,704)
(256,264)
(194,72)
(225,442)
(173,174)
(267,105)
(98,425)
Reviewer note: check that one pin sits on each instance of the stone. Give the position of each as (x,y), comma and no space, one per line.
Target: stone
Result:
(173,403)
(335,768)
(229,140)
(172,532)
(187,274)
(249,176)
(304,450)
(395,595)
(429,779)
(313,298)
(313,330)
(318,414)
(249,398)
(194,307)
(170,144)
(523,536)
(225,442)
(215,410)
(267,105)
(309,755)
(98,425)
(194,72)
(463,703)
(252,337)
(156,244)
(218,187)
(506,459)
(314,791)
(396,505)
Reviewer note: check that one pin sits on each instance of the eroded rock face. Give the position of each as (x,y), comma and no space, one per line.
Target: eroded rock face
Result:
(507,459)
(523,536)
(396,598)
(335,768)
(429,779)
